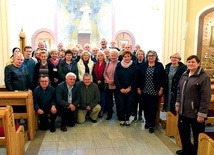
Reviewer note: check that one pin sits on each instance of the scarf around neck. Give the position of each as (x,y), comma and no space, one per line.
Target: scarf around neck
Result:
(126,65)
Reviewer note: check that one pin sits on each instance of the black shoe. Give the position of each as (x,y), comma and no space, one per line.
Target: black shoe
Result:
(52,129)
(181,152)
(146,126)
(63,128)
(151,130)
(108,118)
(93,121)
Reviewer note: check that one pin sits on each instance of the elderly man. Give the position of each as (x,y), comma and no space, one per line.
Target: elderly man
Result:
(89,98)
(67,99)
(44,98)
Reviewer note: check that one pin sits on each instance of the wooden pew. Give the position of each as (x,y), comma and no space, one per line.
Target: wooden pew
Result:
(3,88)
(206,144)
(172,127)
(13,140)
(21,98)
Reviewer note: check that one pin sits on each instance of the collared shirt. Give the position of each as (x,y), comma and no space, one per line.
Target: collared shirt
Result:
(69,93)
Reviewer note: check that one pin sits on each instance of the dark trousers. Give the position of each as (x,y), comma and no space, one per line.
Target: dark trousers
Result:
(68,117)
(125,103)
(137,101)
(43,118)
(150,108)
(184,126)
(103,100)
(110,94)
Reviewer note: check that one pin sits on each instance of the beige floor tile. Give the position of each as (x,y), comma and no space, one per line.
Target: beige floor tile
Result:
(100,135)
(47,152)
(124,151)
(68,136)
(85,144)
(67,145)
(67,152)
(103,143)
(54,137)
(95,129)
(47,145)
(84,136)
(86,152)
(115,135)
(105,151)
(120,142)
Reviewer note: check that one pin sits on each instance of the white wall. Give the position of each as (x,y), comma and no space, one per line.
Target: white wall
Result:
(141,17)
(144,19)
(31,15)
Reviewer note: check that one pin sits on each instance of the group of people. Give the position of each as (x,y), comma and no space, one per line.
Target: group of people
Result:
(83,85)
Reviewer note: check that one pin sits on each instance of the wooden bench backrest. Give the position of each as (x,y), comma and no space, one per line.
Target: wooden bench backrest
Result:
(13,140)
(205,144)
(21,98)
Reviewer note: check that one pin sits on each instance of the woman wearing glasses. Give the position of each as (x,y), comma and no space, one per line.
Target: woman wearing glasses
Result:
(173,70)
(151,78)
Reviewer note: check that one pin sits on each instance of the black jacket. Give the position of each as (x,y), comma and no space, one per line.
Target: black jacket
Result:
(17,78)
(181,69)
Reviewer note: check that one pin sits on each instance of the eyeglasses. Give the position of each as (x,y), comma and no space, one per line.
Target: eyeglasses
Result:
(174,58)
(151,56)
(44,81)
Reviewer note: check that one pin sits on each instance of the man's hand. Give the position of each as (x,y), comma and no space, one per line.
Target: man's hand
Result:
(53,109)
(72,107)
(40,111)
(88,108)
(200,119)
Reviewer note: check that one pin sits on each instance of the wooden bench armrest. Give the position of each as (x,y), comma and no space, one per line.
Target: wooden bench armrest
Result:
(205,144)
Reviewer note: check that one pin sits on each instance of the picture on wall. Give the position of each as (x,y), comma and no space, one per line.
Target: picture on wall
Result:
(92,17)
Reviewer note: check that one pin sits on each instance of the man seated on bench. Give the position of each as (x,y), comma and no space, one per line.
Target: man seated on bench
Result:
(44,97)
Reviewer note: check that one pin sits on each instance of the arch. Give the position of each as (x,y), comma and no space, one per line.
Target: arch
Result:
(124,36)
(53,39)
(204,39)
(197,24)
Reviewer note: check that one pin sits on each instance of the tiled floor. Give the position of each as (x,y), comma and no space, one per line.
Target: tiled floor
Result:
(102,138)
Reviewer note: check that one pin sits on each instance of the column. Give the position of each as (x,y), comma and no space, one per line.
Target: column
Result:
(174,28)
(4,37)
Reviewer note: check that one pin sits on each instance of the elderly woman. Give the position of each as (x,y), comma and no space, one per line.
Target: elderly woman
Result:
(140,54)
(85,65)
(125,78)
(16,75)
(54,63)
(98,78)
(192,104)
(109,79)
(67,65)
(151,80)
(174,71)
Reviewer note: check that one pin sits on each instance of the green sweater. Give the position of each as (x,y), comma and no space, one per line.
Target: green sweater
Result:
(88,96)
